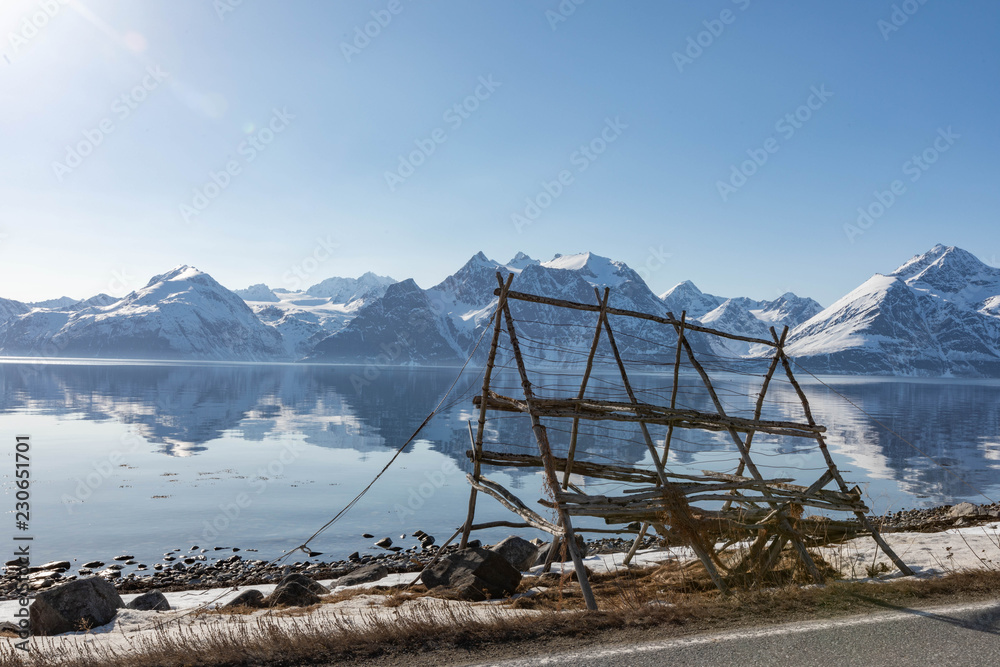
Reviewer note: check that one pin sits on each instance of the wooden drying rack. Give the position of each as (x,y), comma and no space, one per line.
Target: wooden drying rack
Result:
(766,512)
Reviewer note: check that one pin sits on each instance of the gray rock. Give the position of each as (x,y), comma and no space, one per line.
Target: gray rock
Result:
(88,603)
(94,564)
(291,593)
(474,573)
(542,552)
(363,575)
(302,580)
(517,551)
(385,543)
(55,565)
(151,601)
(963,510)
(250,598)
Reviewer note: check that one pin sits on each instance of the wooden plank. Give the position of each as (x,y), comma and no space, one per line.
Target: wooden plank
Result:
(862,515)
(644,412)
(562,303)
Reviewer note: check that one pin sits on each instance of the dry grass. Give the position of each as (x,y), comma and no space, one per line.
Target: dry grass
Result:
(668,600)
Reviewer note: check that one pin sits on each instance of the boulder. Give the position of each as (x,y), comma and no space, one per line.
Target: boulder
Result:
(363,575)
(474,573)
(385,543)
(517,551)
(83,603)
(295,590)
(303,580)
(151,601)
(56,565)
(963,510)
(249,598)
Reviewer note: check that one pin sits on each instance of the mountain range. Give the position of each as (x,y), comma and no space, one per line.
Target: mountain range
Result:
(938,314)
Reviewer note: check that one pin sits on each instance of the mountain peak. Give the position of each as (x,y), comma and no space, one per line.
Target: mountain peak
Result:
(521,260)
(600,271)
(179,272)
(952,272)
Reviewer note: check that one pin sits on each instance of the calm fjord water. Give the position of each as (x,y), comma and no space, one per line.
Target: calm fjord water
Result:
(146,458)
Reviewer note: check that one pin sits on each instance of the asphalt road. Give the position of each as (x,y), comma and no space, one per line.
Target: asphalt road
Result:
(967,635)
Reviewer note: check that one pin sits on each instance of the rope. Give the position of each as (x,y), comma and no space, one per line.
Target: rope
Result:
(304,546)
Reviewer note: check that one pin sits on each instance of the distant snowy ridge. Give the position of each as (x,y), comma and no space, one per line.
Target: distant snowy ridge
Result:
(181,314)
(936,315)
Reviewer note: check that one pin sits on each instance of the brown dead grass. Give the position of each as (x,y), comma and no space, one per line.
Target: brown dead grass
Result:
(637,601)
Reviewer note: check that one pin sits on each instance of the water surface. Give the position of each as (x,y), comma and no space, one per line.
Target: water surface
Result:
(147,458)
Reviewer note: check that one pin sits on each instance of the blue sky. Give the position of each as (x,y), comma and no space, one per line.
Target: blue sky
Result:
(308,119)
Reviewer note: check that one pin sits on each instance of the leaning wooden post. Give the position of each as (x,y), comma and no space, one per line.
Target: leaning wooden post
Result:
(583,389)
(701,551)
(550,474)
(862,517)
(758,409)
(673,389)
(670,434)
(754,472)
(477,444)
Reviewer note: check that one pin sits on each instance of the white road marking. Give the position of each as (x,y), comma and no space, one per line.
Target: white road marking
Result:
(577,657)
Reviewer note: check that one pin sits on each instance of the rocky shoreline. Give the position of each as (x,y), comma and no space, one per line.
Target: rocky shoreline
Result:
(219,567)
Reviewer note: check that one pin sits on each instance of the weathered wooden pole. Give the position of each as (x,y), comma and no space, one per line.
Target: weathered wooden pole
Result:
(754,472)
(583,388)
(545,451)
(477,443)
(862,516)
(674,500)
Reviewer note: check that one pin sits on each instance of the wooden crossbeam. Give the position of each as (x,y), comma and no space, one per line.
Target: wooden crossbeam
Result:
(594,409)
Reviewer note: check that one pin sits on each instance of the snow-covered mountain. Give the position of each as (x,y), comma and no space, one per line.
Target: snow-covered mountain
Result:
(442,324)
(258,292)
(937,314)
(934,315)
(686,297)
(305,318)
(787,310)
(182,314)
(732,316)
(9,309)
(54,304)
(345,290)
